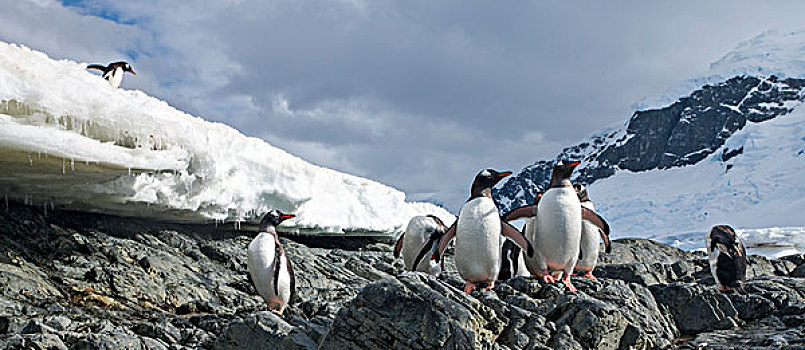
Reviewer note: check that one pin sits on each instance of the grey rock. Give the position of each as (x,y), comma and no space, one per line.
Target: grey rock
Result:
(694,308)
(263,330)
(413,312)
(35,341)
(799,271)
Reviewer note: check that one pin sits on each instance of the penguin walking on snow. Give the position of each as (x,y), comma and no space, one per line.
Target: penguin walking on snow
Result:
(477,231)
(269,265)
(423,232)
(727,257)
(590,231)
(113,72)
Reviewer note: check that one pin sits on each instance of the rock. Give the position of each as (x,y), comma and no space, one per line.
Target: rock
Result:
(35,341)
(799,271)
(263,330)
(118,341)
(694,308)
(414,312)
(563,340)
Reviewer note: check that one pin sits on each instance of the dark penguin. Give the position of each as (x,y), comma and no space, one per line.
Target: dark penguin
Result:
(269,266)
(423,232)
(113,72)
(727,257)
(590,232)
(477,231)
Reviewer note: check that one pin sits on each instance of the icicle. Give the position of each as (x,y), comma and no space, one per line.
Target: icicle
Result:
(63,166)
(30,159)
(72,163)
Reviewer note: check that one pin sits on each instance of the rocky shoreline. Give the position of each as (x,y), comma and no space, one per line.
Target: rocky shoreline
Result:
(88,281)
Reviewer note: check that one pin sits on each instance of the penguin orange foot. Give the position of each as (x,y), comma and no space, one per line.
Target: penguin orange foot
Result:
(568,284)
(469,286)
(589,274)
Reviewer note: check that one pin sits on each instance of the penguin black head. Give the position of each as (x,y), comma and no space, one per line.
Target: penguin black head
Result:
(562,171)
(724,234)
(122,65)
(485,180)
(581,191)
(273,218)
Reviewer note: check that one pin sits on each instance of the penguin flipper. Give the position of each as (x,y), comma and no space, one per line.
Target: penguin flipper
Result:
(293,281)
(97,66)
(607,243)
(597,220)
(525,211)
(443,241)
(517,237)
(278,252)
(398,246)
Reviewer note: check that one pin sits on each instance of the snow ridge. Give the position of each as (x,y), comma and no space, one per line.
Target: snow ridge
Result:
(68,138)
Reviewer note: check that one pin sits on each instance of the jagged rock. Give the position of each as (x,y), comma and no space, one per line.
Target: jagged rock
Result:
(695,308)
(118,341)
(799,271)
(34,341)
(263,330)
(413,312)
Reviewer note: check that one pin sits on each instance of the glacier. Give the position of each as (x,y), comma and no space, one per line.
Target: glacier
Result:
(68,139)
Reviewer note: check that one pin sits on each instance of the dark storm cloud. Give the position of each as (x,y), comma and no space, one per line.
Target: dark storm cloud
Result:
(416,94)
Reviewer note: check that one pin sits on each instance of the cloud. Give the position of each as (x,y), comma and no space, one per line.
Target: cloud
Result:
(416,94)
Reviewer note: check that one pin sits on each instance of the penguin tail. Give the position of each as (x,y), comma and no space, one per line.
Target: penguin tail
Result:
(97,66)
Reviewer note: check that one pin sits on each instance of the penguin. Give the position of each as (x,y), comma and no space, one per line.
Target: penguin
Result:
(727,256)
(113,72)
(590,231)
(557,227)
(512,261)
(477,231)
(423,232)
(269,265)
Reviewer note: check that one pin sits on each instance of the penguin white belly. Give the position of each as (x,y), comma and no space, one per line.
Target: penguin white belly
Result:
(416,235)
(261,265)
(712,257)
(478,240)
(558,228)
(589,247)
(115,77)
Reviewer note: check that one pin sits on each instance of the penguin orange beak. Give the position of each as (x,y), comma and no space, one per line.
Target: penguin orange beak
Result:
(132,72)
(575,163)
(287,216)
(504,174)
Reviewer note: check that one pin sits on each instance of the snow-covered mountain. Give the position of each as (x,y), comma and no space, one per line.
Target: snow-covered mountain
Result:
(729,152)
(68,139)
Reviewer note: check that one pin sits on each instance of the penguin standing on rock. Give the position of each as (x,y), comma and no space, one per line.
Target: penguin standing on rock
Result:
(557,229)
(727,257)
(423,232)
(269,265)
(590,231)
(477,231)
(113,72)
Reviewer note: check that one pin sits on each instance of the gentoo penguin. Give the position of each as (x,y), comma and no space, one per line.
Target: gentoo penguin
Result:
(512,262)
(590,231)
(557,228)
(477,231)
(113,72)
(268,264)
(727,257)
(423,232)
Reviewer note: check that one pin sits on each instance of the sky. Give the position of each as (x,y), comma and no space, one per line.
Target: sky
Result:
(419,95)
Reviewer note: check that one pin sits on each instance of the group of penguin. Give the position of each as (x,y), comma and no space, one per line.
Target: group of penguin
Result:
(560,237)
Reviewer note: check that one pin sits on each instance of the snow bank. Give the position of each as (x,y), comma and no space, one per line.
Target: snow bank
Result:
(67,137)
